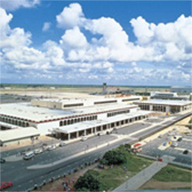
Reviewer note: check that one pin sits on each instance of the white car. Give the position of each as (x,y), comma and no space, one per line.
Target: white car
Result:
(51,147)
(174,144)
(39,150)
(83,138)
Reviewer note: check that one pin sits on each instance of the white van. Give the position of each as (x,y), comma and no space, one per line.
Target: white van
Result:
(28,155)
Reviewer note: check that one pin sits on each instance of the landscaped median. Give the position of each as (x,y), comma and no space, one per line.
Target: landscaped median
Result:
(170,177)
(115,168)
(119,165)
(122,165)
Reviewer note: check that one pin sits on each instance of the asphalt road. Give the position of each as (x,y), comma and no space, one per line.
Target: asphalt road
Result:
(24,178)
(151,148)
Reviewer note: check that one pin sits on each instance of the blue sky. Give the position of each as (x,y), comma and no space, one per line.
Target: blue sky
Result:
(91,42)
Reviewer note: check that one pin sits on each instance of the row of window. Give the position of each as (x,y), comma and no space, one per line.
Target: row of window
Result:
(117,113)
(144,107)
(14,122)
(76,120)
(73,105)
(103,102)
(159,108)
(134,99)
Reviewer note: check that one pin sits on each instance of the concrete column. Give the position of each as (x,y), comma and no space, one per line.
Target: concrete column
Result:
(101,127)
(77,133)
(85,133)
(69,136)
(167,109)
(150,107)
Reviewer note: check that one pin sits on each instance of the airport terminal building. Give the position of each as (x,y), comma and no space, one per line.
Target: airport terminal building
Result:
(92,117)
(69,119)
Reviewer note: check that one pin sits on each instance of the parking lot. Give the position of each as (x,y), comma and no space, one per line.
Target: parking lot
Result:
(170,145)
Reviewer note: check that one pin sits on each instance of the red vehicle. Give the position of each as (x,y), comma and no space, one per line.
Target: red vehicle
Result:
(5,185)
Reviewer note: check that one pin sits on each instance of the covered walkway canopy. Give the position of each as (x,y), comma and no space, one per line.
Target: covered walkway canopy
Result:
(18,134)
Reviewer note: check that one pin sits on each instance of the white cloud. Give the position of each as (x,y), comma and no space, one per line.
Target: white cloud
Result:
(11,38)
(73,38)
(169,41)
(4,22)
(107,52)
(70,16)
(54,54)
(16,4)
(46,26)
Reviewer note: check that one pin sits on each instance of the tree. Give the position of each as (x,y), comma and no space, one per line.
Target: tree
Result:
(88,181)
(116,156)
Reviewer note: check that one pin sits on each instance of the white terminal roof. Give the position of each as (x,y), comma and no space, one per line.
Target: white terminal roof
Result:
(165,102)
(82,100)
(26,111)
(90,124)
(16,134)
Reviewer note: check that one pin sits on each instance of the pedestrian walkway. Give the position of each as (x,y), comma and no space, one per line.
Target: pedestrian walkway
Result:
(14,158)
(141,178)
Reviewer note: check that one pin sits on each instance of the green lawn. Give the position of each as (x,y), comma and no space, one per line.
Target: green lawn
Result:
(110,178)
(172,173)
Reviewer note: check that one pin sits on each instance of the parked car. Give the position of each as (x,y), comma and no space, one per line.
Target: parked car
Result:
(174,144)
(83,138)
(51,147)
(62,144)
(39,150)
(179,139)
(2,160)
(5,185)
(28,155)
(185,152)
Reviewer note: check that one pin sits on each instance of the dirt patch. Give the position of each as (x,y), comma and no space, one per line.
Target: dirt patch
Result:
(153,184)
(68,181)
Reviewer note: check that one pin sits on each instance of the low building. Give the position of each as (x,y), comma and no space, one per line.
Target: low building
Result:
(168,106)
(167,95)
(15,136)
(181,89)
(79,103)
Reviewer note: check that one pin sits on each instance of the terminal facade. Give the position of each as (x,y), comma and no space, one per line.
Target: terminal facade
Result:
(72,119)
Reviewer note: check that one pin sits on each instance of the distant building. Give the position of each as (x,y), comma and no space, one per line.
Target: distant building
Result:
(167,95)
(168,106)
(181,89)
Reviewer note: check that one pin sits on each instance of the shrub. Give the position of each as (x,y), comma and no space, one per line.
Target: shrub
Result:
(88,181)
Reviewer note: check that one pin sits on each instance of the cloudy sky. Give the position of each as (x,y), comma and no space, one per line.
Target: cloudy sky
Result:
(91,42)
